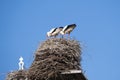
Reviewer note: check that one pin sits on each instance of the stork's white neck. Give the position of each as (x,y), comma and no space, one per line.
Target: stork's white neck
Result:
(61,32)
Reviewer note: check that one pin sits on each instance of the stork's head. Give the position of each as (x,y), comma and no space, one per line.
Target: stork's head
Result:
(49,34)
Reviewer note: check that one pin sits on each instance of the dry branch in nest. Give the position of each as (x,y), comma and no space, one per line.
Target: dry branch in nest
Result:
(17,75)
(54,56)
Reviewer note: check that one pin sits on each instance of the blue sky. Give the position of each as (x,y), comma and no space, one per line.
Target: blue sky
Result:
(24,23)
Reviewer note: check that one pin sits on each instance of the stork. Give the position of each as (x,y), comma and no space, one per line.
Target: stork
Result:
(49,34)
(54,32)
(68,29)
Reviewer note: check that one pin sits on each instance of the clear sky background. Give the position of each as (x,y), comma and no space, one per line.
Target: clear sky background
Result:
(24,23)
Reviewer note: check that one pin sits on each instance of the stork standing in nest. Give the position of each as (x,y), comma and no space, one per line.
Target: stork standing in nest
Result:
(54,32)
(68,29)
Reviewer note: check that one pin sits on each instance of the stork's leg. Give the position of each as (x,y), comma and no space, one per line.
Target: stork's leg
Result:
(55,36)
(62,36)
(68,35)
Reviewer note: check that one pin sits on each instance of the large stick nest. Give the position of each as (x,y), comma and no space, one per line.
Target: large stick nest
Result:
(17,75)
(54,56)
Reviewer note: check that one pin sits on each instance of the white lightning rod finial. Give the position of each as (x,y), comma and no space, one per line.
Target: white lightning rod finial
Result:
(21,63)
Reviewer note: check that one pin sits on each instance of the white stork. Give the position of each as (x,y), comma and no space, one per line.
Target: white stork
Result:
(68,29)
(54,32)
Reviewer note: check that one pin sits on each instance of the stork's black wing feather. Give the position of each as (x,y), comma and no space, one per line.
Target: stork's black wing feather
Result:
(71,25)
(54,30)
(60,27)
